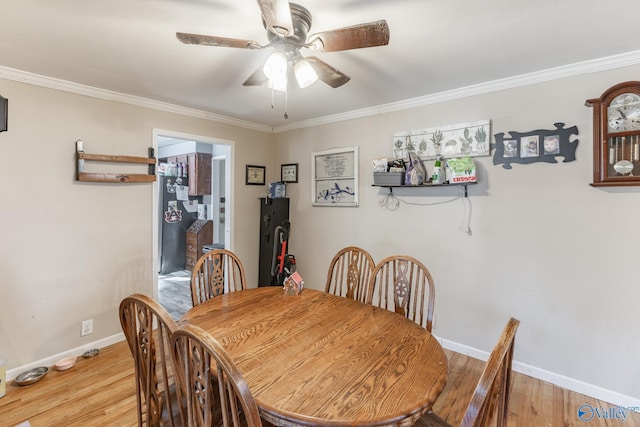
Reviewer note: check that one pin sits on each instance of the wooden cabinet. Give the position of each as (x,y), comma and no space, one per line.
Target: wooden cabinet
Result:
(199,174)
(200,233)
(182,158)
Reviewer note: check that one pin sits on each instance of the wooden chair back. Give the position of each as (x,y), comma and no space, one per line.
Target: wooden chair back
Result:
(490,400)
(147,327)
(349,273)
(216,272)
(213,385)
(403,284)
(491,395)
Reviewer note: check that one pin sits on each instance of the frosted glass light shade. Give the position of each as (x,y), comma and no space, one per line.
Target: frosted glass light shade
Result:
(305,74)
(275,68)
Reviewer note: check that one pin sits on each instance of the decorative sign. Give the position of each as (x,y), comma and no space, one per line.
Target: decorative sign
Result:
(172,214)
(540,145)
(335,177)
(289,173)
(255,175)
(460,140)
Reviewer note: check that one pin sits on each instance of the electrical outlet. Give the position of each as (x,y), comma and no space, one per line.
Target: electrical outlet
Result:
(87,327)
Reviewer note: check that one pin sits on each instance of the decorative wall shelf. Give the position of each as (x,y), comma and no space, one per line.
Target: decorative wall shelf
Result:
(430,186)
(81,175)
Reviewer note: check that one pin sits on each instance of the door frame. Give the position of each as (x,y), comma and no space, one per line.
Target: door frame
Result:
(228,147)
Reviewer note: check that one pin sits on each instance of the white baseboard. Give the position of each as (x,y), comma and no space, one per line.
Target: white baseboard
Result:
(578,386)
(78,351)
(551,377)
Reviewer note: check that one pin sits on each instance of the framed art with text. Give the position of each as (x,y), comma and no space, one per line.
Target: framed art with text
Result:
(334,176)
(255,175)
(289,173)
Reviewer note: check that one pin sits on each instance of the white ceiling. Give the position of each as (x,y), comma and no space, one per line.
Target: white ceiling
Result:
(129,46)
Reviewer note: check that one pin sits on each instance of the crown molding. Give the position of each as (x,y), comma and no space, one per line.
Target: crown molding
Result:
(579,68)
(80,89)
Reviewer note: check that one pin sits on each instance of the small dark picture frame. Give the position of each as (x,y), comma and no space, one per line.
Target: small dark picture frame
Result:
(289,172)
(4,114)
(255,175)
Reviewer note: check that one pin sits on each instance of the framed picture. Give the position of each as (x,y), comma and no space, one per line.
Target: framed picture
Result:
(510,148)
(540,145)
(289,172)
(551,144)
(255,175)
(530,146)
(334,177)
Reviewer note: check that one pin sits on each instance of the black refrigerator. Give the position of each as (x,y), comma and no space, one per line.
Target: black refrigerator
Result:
(174,221)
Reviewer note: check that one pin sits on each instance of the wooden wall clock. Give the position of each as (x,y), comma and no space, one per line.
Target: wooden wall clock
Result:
(616,136)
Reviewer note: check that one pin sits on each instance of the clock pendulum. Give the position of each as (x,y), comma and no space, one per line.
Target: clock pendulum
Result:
(623,166)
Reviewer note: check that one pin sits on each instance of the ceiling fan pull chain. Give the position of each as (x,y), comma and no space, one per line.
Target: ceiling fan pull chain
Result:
(286,104)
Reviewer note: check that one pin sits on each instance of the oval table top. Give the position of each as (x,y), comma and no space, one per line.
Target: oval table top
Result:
(316,359)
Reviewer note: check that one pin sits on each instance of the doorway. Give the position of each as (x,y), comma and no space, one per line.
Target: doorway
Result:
(214,206)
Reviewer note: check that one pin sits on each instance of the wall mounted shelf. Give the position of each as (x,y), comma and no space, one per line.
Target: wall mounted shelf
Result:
(81,175)
(429,186)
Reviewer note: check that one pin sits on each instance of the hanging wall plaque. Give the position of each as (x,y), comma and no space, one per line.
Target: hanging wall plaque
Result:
(542,145)
(334,176)
(458,140)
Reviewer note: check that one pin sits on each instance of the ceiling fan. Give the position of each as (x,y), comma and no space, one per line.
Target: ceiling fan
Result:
(287,25)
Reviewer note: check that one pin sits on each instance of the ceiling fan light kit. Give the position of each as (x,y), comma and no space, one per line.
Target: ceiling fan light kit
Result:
(276,69)
(305,74)
(287,25)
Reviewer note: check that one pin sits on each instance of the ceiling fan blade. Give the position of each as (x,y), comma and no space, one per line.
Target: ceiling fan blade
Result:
(328,74)
(277,16)
(355,37)
(257,78)
(217,41)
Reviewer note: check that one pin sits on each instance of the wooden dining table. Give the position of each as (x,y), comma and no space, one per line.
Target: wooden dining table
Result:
(316,359)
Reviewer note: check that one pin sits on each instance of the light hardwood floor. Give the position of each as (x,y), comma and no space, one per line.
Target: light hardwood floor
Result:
(101,392)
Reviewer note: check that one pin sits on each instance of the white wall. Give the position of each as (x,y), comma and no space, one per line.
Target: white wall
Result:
(72,250)
(546,247)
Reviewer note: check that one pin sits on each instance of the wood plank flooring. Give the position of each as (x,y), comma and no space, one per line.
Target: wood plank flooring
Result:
(101,392)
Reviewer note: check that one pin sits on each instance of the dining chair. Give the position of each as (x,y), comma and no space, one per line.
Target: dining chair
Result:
(213,385)
(401,283)
(490,399)
(349,273)
(216,272)
(147,327)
